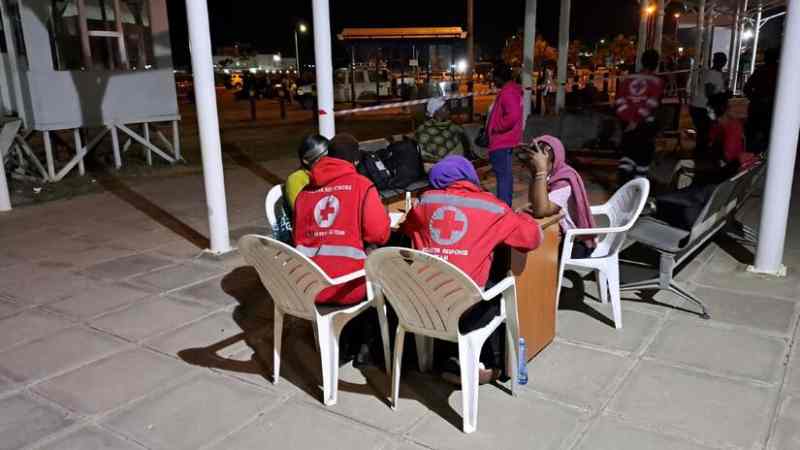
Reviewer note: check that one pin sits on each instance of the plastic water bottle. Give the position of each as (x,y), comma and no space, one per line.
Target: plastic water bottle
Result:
(522,366)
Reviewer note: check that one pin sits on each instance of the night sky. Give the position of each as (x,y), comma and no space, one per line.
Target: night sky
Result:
(269,28)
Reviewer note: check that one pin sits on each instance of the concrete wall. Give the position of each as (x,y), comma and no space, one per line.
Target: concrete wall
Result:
(69,99)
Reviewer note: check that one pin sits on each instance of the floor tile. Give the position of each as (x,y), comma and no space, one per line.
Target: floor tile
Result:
(28,325)
(128,266)
(24,420)
(173,277)
(98,299)
(91,438)
(151,316)
(608,433)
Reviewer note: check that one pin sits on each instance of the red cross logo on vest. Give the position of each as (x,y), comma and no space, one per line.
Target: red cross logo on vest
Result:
(638,87)
(326,210)
(448,225)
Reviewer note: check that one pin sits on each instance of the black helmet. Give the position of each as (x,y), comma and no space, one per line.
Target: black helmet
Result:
(312,149)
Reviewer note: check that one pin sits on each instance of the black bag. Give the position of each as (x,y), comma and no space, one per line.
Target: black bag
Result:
(681,208)
(374,166)
(405,162)
(482,140)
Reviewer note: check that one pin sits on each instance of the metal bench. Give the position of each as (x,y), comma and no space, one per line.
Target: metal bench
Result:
(676,246)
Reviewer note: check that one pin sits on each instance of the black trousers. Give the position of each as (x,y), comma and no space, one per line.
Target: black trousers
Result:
(702,124)
(638,147)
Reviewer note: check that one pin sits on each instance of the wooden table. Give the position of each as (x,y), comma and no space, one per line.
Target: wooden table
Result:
(536,273)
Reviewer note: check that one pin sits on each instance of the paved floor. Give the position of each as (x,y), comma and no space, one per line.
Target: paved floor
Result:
(115,335)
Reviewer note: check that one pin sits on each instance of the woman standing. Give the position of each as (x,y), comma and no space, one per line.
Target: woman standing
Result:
(505,130)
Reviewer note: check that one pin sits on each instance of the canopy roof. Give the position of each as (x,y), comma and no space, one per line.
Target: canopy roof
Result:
(349,34)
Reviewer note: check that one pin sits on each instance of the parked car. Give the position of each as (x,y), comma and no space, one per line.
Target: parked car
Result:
(184,87)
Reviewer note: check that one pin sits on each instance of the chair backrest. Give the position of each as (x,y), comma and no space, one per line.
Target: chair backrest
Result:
(273,197)
(716,210)
(428,294)
(623,209)
(746,183)
(291,278)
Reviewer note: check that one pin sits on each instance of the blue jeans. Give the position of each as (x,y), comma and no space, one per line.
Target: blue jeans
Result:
(501,165)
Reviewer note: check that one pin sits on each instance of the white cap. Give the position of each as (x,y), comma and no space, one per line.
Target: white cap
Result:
(435,104)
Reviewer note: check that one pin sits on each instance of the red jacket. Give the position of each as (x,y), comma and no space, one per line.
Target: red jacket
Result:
(463,224)
(638,98)
(336,213)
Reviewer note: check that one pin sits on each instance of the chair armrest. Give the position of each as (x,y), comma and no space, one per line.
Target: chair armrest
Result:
(570,234)
(498,288)
(598,210)
(347,278)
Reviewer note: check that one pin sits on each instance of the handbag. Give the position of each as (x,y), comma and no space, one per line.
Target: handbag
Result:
(482,140)
(405,163)
(373,165)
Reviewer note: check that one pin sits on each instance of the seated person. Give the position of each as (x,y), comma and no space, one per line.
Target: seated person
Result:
(335,215)
(557,187)
(726,138)
(476,222)
(310,151)
(439,137)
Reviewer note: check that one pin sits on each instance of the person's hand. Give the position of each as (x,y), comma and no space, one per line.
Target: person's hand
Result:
(539,160)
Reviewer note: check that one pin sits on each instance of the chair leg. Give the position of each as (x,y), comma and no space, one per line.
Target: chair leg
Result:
(685,294)
(384,325)
(329,356)
(512,358)
(424,352)
(468,356)
(276,344)
(561,266)
(612,278)
(602,286)
(399,340)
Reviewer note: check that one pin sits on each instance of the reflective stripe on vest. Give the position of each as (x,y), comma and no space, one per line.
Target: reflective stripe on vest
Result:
(344,251)
(464,202)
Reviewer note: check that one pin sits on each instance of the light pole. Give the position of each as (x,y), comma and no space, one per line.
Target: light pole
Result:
(302,28)
(677,17)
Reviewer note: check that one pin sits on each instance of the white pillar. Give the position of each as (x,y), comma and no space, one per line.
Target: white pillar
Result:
(208,124)
(11,48)
(738,53)
(5,198)
(698,63)
(642,39)
(708,44)
(659,25)
(324,65)
(563,52)
(757,32)
(782,151)
(528,46)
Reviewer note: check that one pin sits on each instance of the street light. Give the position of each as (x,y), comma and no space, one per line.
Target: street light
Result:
(301,28)
(650,9)
(747,35)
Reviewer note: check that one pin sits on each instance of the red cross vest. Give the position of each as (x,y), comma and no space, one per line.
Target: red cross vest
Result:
(463,225)
(638,98)
(328,226)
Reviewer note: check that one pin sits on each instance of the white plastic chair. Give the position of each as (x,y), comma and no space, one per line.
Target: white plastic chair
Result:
(294,281)
(429,296)
(274,195)
(622,210)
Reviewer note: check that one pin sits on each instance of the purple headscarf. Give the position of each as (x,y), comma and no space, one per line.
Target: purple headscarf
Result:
(451,169)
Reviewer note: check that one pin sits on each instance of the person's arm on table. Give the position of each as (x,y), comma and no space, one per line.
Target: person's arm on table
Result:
(541,206)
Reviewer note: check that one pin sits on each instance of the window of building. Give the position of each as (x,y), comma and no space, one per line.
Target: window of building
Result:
(101,35)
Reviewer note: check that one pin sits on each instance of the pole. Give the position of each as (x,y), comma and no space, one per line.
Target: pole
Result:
(659,25)
(208,124)
(756,34)
(324,65)
(470,39)
(528,46)
(563,50)
(642,39)
(297,54)
(738,54)
(11,47)
(709,40)
(353,75)
(734,39)
(698,63)
(782,152)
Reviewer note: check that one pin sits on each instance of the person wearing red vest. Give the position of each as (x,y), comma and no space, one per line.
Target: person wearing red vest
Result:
(460,222)
(335,215)
(637,102)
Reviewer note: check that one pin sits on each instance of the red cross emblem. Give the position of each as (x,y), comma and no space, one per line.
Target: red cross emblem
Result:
(326,210)
(448,225)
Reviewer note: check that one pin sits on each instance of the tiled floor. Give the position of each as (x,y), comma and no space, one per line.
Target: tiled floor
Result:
(115,334)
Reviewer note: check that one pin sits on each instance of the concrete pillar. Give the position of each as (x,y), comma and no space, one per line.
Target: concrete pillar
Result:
(733,44)
(659,25)
(208,124)
(708,43)
(642,39)
(782,152)
(563,52)
(324,65)
(528,46)
(698,63)
(5,198)
(756,33)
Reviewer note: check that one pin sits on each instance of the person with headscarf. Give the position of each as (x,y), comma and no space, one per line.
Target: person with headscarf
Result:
(557,187)
(460,222)
(439,137)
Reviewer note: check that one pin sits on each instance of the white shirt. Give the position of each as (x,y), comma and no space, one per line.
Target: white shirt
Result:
(714,77)
(561,198)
